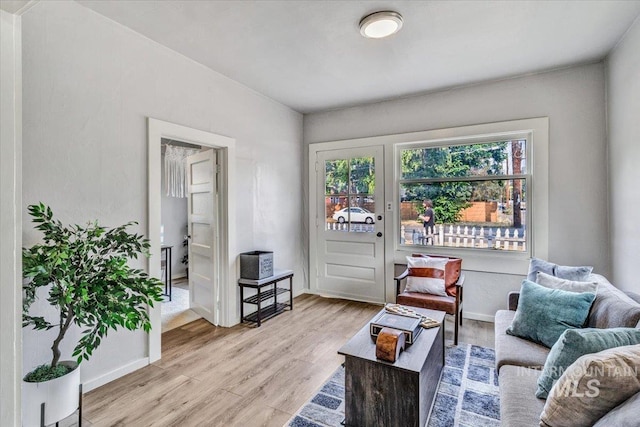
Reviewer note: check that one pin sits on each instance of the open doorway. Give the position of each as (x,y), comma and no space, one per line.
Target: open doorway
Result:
(212,196)
(174,233)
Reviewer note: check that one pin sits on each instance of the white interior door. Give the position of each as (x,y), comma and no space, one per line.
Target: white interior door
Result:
(350,224)
(202,224)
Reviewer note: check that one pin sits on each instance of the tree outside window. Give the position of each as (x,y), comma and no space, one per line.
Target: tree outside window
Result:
(478,193)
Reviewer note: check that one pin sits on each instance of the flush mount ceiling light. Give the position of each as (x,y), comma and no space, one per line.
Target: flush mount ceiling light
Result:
(380,24)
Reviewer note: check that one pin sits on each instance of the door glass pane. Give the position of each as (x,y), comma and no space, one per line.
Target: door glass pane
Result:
(336,176)
(362,186)
(362,220)
(349,194)
(335,199)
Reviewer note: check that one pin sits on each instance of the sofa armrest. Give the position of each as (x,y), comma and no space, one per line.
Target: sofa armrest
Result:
(512,301)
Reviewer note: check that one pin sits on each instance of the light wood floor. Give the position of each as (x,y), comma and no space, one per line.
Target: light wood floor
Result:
(242,376)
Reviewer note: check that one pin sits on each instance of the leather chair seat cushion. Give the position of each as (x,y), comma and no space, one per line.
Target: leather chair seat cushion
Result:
(433,302)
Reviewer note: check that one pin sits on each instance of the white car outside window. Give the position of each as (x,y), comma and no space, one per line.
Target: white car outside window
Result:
(355,215)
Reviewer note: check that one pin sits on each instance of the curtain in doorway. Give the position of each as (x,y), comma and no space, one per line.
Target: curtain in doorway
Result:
(175,170)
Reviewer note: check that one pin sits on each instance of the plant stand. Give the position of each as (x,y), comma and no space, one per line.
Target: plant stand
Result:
(43,410)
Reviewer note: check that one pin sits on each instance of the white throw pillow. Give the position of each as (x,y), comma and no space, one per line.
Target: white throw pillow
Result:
(423,261)
(552,282)
(425,285)
(432,281)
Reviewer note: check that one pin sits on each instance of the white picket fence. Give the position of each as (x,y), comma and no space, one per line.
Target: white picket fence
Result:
(450,236)
(465,237)
(357,227)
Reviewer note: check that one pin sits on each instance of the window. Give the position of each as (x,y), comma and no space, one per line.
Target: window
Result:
(476,192)
(349,195)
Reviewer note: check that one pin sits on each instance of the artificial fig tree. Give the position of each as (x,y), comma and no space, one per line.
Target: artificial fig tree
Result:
(86,273)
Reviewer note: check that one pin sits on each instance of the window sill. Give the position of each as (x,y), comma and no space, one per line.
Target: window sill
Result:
(487,261)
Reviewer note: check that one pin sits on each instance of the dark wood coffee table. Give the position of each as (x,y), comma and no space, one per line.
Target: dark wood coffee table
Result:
(379,393)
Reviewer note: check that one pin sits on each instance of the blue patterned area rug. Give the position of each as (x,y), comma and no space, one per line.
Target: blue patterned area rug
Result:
(468,394)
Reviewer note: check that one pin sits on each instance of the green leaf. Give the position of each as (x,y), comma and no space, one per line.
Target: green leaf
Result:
(86,273)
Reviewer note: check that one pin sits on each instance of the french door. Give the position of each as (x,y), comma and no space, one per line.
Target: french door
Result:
(348,260)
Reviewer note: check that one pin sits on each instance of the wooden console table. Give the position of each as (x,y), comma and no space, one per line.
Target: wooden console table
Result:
(400,394)
(261,295)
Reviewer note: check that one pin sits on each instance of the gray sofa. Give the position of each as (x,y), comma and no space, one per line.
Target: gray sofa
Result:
(518,361)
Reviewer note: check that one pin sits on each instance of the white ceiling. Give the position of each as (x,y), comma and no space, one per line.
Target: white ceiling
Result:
(310,55)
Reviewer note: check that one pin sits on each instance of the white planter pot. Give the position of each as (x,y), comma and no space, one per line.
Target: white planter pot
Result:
(60,396)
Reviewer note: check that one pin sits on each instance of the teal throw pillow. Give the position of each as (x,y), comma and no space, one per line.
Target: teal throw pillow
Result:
(543,314)
(574,343)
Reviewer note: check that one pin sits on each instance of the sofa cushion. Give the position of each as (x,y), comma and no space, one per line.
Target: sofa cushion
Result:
(512,350)
(612,308)
(543,314)
(518,403)
(574,343)
(623,415)
(592,386)
(554,282)
(561,271)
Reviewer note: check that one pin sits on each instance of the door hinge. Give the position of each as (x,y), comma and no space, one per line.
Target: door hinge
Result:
(316,166)
(217,168)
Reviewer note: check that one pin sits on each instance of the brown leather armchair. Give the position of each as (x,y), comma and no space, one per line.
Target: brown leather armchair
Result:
(451,304)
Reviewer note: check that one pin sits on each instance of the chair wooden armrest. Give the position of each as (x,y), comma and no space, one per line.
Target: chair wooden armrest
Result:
(459,284)
(399,279)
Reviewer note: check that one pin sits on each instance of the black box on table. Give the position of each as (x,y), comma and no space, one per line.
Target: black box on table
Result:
(256,265)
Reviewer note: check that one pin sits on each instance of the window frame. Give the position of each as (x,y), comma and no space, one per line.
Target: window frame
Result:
(536,132)
(455,142)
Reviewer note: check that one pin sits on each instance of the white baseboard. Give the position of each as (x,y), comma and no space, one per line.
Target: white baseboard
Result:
(466,315)
(298,292)
(478,316)
(114,375)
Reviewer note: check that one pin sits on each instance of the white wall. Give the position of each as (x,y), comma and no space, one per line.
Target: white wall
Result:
(573,99)
(10,218)
(89,85)
(623,120)
(174,221)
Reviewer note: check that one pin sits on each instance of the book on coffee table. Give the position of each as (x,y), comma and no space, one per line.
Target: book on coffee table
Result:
(409,325)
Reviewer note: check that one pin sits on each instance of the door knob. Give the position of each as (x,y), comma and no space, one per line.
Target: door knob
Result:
(379,234)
